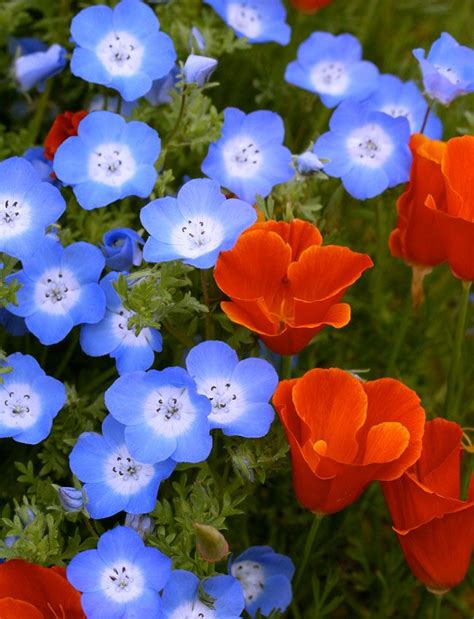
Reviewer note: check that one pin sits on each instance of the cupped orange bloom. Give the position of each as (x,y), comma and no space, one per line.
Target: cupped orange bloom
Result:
(29,591)
(344,433)
(284,285)
(310,6)
(434,526)
(64,126)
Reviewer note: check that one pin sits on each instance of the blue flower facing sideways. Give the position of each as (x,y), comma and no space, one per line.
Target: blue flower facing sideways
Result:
(195,226)
(122,578)
(164,415)
(122,249)
(121,48)
(109,159)
(30,400)
(198,69)
(238,390)
(114,480)
(34,68)
(249,158)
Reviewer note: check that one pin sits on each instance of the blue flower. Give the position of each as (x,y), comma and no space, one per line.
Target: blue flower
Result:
(115,480)
(332,67)
(198,69)
(71,499)
(181,597)
(308,162)
(195,226)
(34,68)
(59,289)
(397,98)
(249,158)
(27,207)
(159,94)
(448,70)
(30,400)
(121,248)
(366,149)
(265,577)
(121,48)
(259,21)
(164,415)
(122,578)
(238,390)
(44,167)
(108,160)
(112,336)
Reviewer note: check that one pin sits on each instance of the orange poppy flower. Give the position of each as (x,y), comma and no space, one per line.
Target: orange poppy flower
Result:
(310,6)
(285,285)
(344,434)
(29,591)
(435,528)
(64,126)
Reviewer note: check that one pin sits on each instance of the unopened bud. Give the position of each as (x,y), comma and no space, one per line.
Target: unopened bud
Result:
(211,545)
(71,499)
(141,523)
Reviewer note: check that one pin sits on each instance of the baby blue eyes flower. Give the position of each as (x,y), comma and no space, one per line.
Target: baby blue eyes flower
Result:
(59,289)
(114,479)
(448,70)
(195,226)
(198,69)
(122,249)
(332,67)
(260,21)
(366,149)
(30,400)
(71,499)
(108,160)
(308,162)
(181,597)
(122,578)
(27,207)
(238,390)
(163,414)
(112,335)
(121,48)
(249,158)
(34,68)
(265,577)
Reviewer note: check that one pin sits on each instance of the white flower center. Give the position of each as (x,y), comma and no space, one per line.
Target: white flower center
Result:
(251,577)
(125,475)
(198,236)
(245,17)
(19,406)
(369,145)
(122,332)
(193,610)
(330,77)
(449,73)
(57,291)
(111,164)
(123,582)
(226,399)
(169,411)
(120,53)
(15,216)
(242,157)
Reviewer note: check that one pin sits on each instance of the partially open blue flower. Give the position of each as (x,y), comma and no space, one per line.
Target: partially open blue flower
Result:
(181,597)
(265,577)
(121,48)
(108,160)
(195,226)
(198,69)
(238,390)
(30,400)
(115,480)
(448,70)
(332,67)
(163,414)
(122,578)
(34,68)
(122,249)
(260,21)
(249,158)
(366,149)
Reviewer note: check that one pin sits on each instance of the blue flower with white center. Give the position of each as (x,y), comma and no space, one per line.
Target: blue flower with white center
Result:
(122,249)
(108,160)
(366,149)
(265,577)
(332,67)
(448,70)
(59,289)
(29,400)
(164,415)
(238,390)
(181,597)
(27,207)
(112,335)
(397,98)
(121,48)
(198,69)
(259,21)
(44,167)
(195,226)
(249,159)
(122,578)
(115,480)
(34,68)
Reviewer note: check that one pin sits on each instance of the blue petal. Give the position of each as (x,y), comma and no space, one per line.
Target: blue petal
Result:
(181,588)
(228,594)
(88,456)
(142,183)
(266,127)
(195,445)
(146,445)
(211,360)
(277,594)
(91,195)
(47,203)
(119,542)
(52,393)
(133,86)
(91,305)
(332,146)
(91,25)
(98,606)
(254,421)
(49,328)
(99,339)
(159,55)
(25,369)
(47,256)
(363,182)
(256,378)
(147,605)
(198,196)
(144,500)
(113,432)
(299,76)
(18,175)
(37,432)
(126,397)
(153,562)
(99,127)
(136,18)
(85,64)
(131,358)
(71,161)
(85,570)
(143,141)
(102,501)
(86,261)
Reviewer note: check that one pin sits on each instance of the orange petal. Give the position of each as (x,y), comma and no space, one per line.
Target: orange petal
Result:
(17,609)
(385,442)
(291,340)
(251,314)
(458,169)
(299,234)
(321,313)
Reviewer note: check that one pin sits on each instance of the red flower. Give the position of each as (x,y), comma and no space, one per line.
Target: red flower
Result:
(434,526)
(64,126)
(310,6)
(284,285)
(29,591)
(344,434)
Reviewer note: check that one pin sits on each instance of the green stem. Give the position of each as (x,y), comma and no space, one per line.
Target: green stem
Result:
(207,302)
(425,119)
(91,527)
(68,354)
(454,370)
(285,367)
(401,332)
(437,601)
(307,550)
(378,272)
(169,138)
(35,125)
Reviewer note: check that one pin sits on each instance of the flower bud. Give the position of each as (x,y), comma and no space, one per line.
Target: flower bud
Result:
(71,499)
(198,69)
(121,248)
(141,523)
(211,545)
